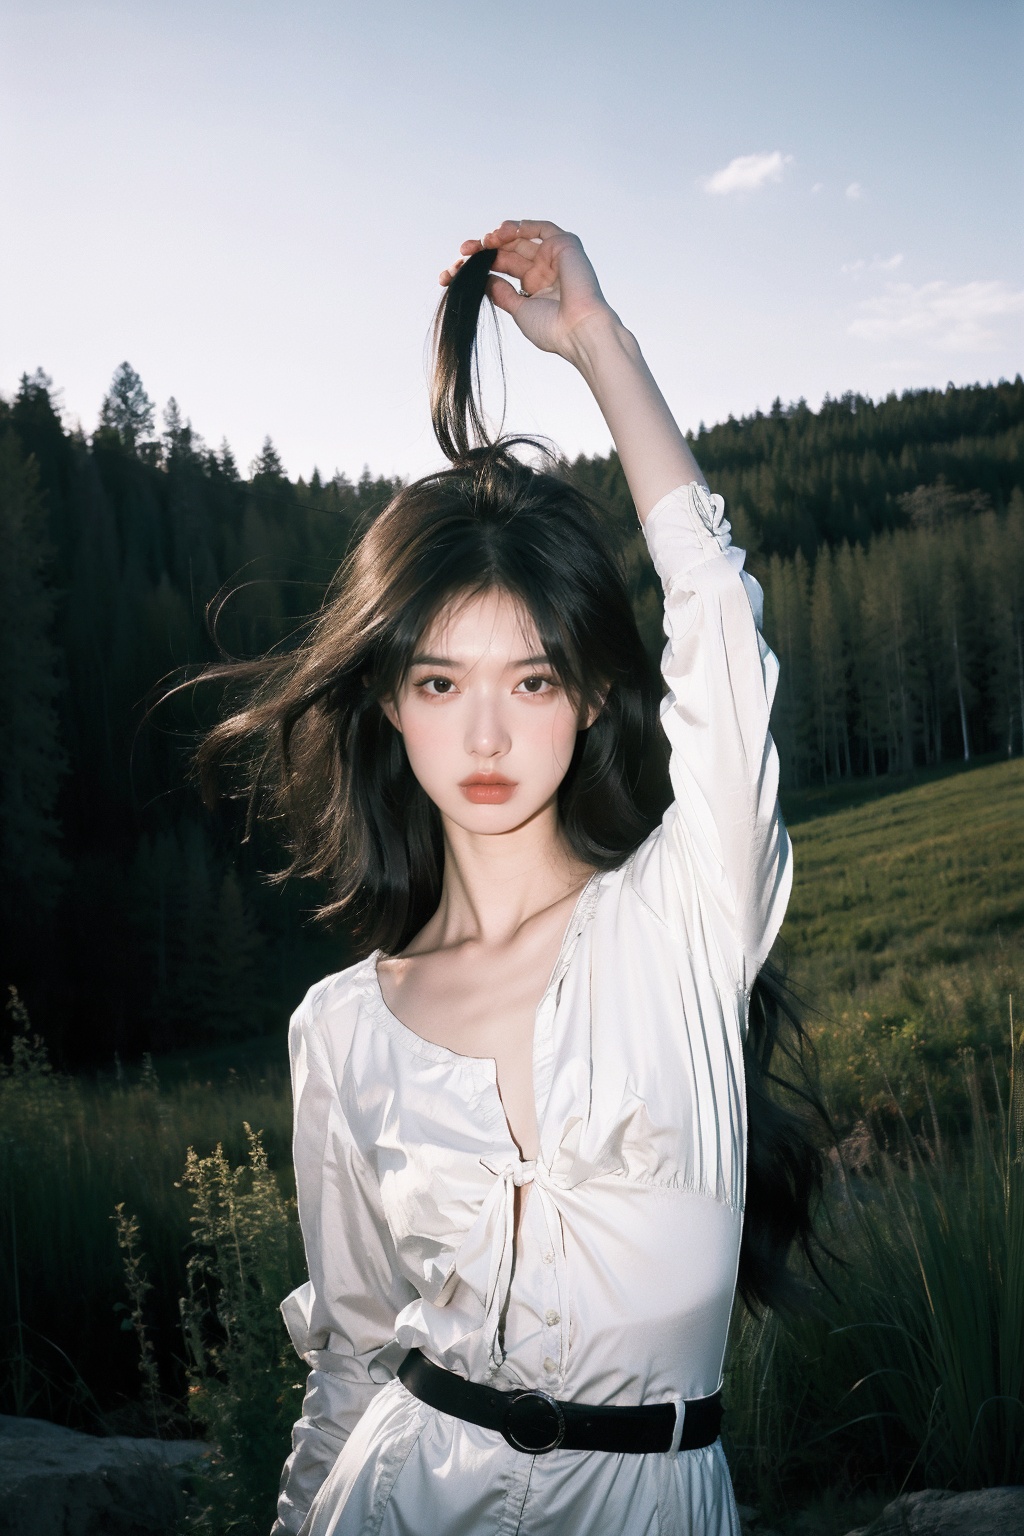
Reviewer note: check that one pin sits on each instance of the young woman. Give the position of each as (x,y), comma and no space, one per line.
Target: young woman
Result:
(521,1121)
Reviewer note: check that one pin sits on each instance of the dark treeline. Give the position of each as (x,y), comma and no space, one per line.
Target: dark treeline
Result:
(133,919)
(889,538)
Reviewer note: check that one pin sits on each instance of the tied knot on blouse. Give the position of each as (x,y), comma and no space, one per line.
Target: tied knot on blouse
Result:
(486,1256)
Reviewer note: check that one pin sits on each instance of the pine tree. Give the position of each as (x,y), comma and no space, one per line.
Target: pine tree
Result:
(787,630)
(267,463)
(1000,556)
(127,410)
(191,935)
(226,461)
(155,885)
(924,569)
(32,760)
(828,673)
(232,1001)
(957,627)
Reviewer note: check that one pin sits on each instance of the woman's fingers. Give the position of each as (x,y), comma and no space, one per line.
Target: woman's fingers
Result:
(505,261)
(522,250)
(504,296)
(467,248)
(511,262)
(539,229)
(505,233)
(522,229)
(449,272)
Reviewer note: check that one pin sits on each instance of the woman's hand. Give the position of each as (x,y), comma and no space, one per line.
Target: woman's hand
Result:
(558,296)
(561,308)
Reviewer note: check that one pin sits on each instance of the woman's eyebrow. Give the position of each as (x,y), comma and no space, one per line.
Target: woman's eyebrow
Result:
(449,661)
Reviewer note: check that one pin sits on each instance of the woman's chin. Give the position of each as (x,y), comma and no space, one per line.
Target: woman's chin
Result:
(493,817)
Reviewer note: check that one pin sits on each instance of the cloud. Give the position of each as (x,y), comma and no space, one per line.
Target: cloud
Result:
(947,317)
(747,172)
(819,186)
(876,264)
(854,191)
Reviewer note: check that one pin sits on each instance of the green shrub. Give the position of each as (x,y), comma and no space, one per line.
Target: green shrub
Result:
(245,1381)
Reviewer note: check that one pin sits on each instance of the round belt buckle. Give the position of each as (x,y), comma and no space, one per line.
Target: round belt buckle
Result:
(534,1423)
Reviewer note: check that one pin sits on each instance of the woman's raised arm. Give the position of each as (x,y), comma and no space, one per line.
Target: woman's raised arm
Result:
(559,306)
(720,874)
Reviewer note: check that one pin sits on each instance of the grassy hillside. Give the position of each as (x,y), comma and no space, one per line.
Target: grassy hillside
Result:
(906,931)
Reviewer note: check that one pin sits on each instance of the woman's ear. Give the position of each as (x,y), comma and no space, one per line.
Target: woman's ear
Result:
(391,713)
(595,709)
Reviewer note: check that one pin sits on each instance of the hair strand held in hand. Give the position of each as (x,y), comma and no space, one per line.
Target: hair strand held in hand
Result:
(455,406)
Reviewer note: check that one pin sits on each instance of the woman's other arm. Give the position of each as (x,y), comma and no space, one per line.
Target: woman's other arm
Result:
(343,1318)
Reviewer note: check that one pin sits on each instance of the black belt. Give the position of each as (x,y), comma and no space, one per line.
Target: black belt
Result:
(535,1422)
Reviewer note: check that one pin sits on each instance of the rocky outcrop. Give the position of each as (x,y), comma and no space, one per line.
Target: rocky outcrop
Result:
(988,1512)
(58,1482)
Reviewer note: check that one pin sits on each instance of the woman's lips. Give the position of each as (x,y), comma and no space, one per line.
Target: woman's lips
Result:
(487,789)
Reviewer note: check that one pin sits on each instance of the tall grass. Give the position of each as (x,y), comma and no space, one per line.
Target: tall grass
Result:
(942,1300)
(912,1370)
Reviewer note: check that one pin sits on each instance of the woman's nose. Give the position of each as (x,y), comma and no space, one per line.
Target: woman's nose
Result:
(487,733)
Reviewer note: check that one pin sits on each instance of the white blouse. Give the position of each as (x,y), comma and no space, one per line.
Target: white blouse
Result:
(619,1286)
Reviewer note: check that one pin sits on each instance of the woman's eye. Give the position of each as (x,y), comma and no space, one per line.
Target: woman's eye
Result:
(438,686)
(536,685)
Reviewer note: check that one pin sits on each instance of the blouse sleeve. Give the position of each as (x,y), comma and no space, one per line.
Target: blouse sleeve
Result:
(724,865)
(342,1320)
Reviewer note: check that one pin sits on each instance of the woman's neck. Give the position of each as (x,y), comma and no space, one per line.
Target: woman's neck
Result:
(494,884)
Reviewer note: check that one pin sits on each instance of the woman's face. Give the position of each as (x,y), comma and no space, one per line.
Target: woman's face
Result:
(488,729)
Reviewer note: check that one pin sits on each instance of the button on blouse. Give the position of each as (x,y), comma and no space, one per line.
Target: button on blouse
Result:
(619,1285)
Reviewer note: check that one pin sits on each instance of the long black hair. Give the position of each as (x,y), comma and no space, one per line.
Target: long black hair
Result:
(320,756)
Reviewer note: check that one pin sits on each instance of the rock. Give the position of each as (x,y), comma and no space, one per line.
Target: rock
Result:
(58,1482)
(750,1522)
(988,1512)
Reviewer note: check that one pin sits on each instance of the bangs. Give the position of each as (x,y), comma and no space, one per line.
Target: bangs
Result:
(538,625)
(544,618)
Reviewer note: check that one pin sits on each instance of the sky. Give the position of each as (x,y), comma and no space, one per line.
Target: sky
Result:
(251,202)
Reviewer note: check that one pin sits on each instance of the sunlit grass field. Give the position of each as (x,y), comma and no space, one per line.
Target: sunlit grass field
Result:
(905,935)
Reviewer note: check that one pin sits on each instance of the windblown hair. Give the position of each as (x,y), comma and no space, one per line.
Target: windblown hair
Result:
(318,755)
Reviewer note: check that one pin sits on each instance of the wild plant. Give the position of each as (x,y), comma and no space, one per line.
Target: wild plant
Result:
(159,1409)
(245,1381)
